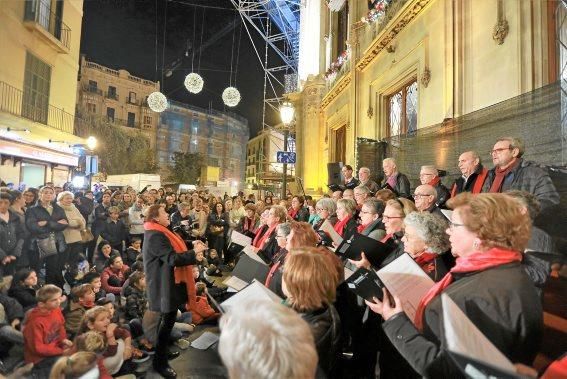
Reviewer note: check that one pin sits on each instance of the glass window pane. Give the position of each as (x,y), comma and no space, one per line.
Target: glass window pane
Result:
(395,106)
(411,108)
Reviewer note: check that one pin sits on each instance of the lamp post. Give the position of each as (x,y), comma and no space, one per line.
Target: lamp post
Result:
(287,112)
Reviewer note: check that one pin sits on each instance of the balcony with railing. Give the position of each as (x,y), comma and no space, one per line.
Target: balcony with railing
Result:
(111,95)
(39,17)
(132,101)
(29,106)
(92,89)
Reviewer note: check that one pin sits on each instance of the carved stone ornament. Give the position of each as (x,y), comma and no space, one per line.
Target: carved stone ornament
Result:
(500,31)
(426,77)
(370,112)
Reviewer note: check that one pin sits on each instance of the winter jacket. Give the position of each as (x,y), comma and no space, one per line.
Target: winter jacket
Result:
(202,310)
(77,223)
(527,176)
(73,313)
(38,213)
(12,308)
(302,215)
(159,261)
(43,333)
(402,188)
(501,302)
(375,230)
(109,273)
(11,236)
(325,325)
(461,186)
(85,206)
(443,195)
(136,218)
(24,295)
(136,302)
(100,218)
(115,232)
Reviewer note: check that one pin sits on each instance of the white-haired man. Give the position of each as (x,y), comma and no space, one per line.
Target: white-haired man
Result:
(364,177)
(473,174)
(394,180)
(430,175)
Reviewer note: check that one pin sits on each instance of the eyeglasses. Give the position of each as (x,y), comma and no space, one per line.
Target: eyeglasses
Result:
(281,236)
(498,151)
(366,213)
(386,218)
(453,225)
(419,195)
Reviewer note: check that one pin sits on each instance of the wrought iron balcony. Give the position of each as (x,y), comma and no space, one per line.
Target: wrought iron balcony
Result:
(18,103)
(111,95)
(92,89)
(39,16)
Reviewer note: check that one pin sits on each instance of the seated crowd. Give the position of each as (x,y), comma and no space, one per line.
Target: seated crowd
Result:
(74,298)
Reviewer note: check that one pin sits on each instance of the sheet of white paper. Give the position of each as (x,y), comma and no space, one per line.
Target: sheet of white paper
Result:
(328,228)
(240,239)
(205,341)
(255,291)
(249,250)
(447,213)
(235,283)
(406,280)
(464,338)
(349,269)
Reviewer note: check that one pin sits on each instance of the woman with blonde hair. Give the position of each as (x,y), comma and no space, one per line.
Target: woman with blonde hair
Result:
(310,280)
(81,365)
(72,234)
(488,233)
(346,225)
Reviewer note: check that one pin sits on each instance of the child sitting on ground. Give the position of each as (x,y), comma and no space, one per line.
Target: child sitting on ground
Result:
(74,274)
(114,275)
(45,339)
(23,288)
(78,365)
(203,312)
(82,298)
(133,251)
(93,278)
(214,263)
(94,342)
(136,305)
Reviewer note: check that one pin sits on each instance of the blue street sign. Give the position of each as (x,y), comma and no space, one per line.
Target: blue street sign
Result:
(286,157)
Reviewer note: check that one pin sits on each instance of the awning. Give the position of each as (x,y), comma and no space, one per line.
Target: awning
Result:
(18,149)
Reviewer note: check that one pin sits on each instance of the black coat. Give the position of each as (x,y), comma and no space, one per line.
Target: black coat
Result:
(402,188)
(159,260)
(443,194)
(270,248)
(302,215)
(85,206)
(461,186)
(325,325)
(501,302)
(115,233)
(24,295)
(100,217)
(11,236)
(350,228)
(38,213)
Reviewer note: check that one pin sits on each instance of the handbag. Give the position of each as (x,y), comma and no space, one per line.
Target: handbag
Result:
(217,229)
(47,246)
(87,235)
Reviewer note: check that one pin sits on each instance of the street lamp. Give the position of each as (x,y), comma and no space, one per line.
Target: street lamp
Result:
(91,143)
(287,112)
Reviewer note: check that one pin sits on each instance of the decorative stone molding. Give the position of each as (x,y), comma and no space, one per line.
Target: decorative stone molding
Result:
(370,112)
(500,31)
(425,77)
(337,89)
(385,38)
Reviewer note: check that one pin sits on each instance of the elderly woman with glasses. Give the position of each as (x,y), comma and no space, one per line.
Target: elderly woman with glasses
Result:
(371,219)
(346,224)
(488,234)
(326,209)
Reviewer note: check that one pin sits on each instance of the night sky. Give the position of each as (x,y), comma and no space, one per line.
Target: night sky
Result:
(121,34)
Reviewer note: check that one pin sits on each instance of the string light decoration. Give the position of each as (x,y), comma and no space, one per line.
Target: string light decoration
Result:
(157,102)
(231,96)
(194,83)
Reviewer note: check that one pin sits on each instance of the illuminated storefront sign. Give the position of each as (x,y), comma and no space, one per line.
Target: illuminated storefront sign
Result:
(34,152)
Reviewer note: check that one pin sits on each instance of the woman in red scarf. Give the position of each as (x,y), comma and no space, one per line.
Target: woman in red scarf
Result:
(250,222)
(297,211)
(169,279)
(346,226)
(266,245)
(488,232)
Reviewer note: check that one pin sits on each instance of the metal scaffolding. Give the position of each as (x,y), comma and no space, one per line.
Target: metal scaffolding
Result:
(277,22)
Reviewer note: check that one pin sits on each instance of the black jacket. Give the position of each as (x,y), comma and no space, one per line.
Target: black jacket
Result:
(351,184)
(11,236)
(85,207)
(24,295)
(302,215)
(115,233)
(159,260)
(136,303)
(350,228)
(38,213)
(402,188)
(12,308)
(443,195)
(529,177)
(100,217)
(501,302)
(325,325)
(460,186)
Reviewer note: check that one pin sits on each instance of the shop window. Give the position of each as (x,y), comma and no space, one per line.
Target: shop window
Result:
(402,110)
(37,82)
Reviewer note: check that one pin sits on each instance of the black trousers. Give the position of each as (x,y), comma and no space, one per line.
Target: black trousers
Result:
(166,322)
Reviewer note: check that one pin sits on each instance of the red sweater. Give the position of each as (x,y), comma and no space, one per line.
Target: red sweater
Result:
(107,273)
(43,333)
(202,311)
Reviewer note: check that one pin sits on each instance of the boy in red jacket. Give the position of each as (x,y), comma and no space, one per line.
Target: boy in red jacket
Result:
(45,339)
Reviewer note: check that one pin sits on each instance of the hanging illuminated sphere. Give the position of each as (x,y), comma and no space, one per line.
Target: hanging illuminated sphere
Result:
(193,82)
(231,96)
(157,101)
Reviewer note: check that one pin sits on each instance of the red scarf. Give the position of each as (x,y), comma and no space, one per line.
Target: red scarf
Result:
(183,274)
(425,258)
(434,181)
(386,238)
(475,262)
(265,236)
(292,212)
(340,226)
(500,174)
(249,225)
(259,235)
(360,228)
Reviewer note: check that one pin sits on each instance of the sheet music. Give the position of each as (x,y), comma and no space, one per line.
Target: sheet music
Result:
(328,228)
(463,337)
(406,280)
(349,269)
(240,239)
(447,213)
(205,341)
(255,291)
(249,250)
(235,283)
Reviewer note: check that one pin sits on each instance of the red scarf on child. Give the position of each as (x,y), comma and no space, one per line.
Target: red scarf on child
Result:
(478,261)
(183,274)
(340,226)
